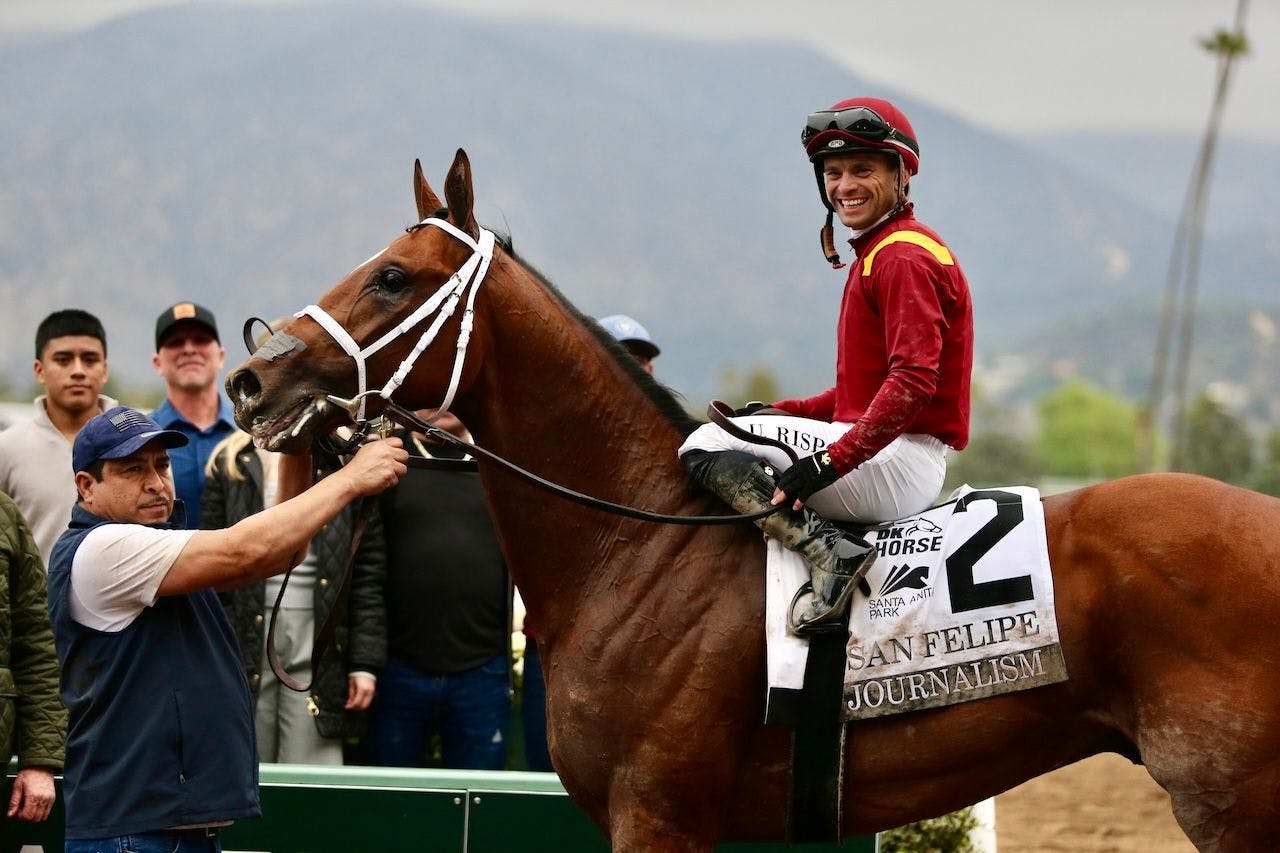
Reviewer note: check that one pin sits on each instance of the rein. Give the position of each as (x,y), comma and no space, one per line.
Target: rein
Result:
(408,419)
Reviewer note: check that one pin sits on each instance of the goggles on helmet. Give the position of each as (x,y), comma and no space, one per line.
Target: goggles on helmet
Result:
(858,121)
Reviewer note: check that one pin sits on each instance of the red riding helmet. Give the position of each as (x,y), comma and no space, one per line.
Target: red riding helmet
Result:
(858,124)
(861,124)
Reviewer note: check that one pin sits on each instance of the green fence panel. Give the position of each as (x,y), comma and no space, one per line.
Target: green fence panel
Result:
(304,819)
(308,809)
(505,821)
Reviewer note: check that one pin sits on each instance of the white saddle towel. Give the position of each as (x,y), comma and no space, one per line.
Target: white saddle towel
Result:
(961,608)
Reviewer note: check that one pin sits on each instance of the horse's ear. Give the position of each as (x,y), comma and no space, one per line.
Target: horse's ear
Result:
(459,195)
(428,201)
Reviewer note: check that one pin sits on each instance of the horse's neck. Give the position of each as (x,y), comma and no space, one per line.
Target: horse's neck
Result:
(555,403)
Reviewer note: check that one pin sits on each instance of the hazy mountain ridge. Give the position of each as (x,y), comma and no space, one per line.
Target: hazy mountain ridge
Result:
(248,157)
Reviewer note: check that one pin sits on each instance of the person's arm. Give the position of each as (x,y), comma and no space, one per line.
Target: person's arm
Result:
(909,286)
(908,289)
(265,543)
(40,720)
(367,615)
(820,407)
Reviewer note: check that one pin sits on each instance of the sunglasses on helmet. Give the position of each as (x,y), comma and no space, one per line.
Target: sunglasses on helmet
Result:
(859,121)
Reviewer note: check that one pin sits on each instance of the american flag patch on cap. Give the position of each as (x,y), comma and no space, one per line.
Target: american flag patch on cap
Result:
(130,419)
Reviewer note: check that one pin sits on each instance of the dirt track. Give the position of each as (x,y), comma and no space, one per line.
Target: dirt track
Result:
(1101,805)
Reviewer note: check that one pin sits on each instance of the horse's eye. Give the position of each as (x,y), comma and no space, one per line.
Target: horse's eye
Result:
(392,280)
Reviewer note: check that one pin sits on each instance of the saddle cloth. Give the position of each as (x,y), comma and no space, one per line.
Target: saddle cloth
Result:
(961,608)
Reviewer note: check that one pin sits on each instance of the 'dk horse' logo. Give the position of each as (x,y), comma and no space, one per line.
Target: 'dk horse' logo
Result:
(904,576)
(921,525)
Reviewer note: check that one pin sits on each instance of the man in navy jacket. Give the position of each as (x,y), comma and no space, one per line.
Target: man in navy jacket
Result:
(160,743)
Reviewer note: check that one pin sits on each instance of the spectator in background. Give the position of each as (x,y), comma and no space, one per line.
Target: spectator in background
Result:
(190,357)
(449,620)
(633,337)
(33,722)
(293,727)
(148,657)
(35,456)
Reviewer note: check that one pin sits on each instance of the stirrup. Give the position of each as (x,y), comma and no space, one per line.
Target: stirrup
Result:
(831,620)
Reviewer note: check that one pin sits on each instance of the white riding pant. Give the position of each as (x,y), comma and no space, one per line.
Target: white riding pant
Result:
(903,478)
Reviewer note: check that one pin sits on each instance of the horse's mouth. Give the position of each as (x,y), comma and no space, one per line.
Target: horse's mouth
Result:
(294,430)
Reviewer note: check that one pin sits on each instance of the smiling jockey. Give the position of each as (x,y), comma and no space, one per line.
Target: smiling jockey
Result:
(877,440)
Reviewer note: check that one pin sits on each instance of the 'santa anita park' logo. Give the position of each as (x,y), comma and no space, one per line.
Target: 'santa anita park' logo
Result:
(905,577)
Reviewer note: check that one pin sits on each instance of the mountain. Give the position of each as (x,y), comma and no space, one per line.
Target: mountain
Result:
(1154,170)
(248,156)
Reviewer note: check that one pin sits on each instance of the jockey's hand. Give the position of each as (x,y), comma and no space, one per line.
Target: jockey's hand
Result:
(810,474)
(750,408)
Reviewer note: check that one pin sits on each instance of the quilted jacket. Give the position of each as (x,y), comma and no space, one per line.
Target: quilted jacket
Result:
(360,642)
(33,722)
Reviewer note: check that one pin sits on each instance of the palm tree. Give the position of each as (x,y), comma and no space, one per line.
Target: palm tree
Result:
(1184,265)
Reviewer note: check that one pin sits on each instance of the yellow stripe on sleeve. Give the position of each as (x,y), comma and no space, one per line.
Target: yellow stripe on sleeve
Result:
(924,241)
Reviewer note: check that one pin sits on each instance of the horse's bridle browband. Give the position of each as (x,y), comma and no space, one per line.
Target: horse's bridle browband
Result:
(444,301)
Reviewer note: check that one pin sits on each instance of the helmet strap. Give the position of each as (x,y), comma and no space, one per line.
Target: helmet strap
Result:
(900,185)
(827,236)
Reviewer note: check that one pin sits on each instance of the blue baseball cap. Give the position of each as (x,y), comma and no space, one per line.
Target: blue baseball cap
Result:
(627,331)
(115,434)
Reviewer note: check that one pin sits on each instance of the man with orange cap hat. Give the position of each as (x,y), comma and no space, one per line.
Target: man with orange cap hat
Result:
(873,446)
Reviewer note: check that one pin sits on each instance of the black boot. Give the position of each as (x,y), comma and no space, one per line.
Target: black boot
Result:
(837,560)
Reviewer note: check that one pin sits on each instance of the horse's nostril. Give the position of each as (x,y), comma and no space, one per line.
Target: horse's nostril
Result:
(244,384)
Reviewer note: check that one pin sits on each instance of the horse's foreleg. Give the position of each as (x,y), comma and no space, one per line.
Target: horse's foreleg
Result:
(633,829)
(657,811)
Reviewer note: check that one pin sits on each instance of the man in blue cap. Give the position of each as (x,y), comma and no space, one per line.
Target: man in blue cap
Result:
(633,337)
(160,742)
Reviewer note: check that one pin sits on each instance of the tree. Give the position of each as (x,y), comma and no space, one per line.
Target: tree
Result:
(1184,266)
(995,458)
(1217,443)
(1086,432)
(1266,478)
(758,383)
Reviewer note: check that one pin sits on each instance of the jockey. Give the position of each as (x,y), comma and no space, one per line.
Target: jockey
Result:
(873,447)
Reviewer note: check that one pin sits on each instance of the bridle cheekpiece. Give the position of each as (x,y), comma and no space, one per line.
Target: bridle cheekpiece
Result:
(442,303)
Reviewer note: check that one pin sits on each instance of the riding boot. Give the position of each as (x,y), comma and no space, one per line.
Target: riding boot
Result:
(837,560)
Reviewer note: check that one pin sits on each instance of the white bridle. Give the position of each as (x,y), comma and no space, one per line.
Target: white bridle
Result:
(444,301)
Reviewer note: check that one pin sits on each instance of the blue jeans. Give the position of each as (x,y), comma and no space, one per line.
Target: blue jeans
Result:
(469,709)
(164,841)
(533,710)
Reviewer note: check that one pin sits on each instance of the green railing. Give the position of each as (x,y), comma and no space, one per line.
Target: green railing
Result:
(351,809)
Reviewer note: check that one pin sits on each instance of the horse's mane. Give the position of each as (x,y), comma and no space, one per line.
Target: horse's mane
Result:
(667,400)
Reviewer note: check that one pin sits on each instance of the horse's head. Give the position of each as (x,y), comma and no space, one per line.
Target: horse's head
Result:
(402,309)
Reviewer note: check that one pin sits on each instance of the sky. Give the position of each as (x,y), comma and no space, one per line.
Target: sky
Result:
(1015,66)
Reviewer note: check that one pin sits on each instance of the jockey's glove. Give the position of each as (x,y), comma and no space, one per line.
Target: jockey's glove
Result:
(750,408)
(808,475)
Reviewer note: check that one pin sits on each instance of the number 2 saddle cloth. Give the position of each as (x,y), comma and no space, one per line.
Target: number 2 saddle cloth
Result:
(961,607)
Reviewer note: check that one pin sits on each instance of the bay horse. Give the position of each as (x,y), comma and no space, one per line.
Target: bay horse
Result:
(1167,586)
